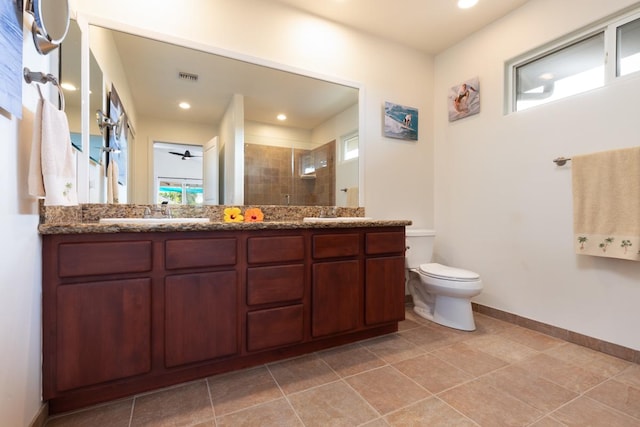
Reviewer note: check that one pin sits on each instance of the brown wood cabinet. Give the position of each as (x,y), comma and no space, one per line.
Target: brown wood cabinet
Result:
(130,312)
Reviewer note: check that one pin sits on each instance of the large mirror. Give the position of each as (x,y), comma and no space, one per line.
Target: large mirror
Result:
(229,147)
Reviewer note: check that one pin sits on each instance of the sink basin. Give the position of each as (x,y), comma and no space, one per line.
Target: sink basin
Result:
(337,219)
(152,220)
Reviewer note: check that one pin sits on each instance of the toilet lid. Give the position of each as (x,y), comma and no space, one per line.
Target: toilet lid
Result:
(445,272)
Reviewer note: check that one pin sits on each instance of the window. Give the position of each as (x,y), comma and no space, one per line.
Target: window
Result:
(577,65)
(178,191)
(349,146)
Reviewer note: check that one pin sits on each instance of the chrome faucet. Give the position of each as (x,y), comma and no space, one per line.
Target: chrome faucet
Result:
(329,212)
(158,211)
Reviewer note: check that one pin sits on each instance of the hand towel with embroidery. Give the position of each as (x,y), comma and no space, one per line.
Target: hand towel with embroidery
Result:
(52,172)
(606,203)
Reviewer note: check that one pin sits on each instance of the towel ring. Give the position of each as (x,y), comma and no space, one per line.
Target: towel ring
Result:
(39,77)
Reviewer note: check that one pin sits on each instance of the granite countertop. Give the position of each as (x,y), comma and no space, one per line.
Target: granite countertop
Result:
(95,227)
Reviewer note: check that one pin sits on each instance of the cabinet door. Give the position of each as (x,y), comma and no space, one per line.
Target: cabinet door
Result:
(200,317)
(384,290)
(103,331)
(275,327)
(335,297)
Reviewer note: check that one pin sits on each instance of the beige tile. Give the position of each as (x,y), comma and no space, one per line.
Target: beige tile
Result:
(179,406)
(429,339)
(469,359)
(432,373)
(242,389)
(488,406)
(116,414)
(591,360)
(351,359)
(547,422)
(277,413)
(301,373)
(630,376)
(623,397)
(527,387)
(565,374)
(428,412)
(407,324)
(386,389)
(380,422)
(501,347)
(392,348)
(588,412)
(490,325)
(334,404)
(535,340)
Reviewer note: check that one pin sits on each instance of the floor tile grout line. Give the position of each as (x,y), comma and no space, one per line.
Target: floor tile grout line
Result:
(285,396)
(213,408)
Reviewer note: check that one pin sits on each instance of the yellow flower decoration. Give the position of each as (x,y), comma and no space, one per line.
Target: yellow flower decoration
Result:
(233,215)
(253,215)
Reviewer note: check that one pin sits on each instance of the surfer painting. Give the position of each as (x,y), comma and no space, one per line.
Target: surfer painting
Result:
(400,122)
(464,99)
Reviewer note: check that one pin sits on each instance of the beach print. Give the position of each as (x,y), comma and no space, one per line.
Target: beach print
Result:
(400,121)
(464,99)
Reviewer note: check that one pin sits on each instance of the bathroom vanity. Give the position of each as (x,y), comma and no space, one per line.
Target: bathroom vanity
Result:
(130,309)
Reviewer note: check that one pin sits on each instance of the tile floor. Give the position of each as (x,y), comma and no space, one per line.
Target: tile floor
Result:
(424,375)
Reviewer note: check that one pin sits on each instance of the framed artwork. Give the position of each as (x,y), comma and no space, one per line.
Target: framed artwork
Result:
(11,57)
(400,122)
(464,99)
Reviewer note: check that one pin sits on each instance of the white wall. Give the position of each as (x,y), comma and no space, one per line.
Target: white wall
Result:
(503,209)
(20,258)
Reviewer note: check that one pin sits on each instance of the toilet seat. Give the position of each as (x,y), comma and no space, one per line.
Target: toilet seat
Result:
(444,272)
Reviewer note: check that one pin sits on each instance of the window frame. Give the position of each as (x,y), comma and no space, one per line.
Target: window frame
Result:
(609,29)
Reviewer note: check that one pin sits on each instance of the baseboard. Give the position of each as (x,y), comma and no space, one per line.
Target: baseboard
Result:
(616,350)
(41,417)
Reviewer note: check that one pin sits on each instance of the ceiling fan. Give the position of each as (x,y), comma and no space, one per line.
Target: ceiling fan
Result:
(186,155)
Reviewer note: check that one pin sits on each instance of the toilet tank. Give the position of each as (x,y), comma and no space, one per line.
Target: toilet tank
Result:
(419,246)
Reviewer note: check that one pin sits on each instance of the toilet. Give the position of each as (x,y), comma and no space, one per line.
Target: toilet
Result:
(440,293)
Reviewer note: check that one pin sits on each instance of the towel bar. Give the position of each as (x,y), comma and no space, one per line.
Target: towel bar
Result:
(561,161)
(39,77)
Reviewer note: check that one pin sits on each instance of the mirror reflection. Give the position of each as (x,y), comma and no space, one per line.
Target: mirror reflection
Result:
(241,153)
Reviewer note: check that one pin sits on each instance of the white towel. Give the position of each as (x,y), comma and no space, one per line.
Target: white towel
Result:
(112,181)
(352,197)
(606,203)
(52,171)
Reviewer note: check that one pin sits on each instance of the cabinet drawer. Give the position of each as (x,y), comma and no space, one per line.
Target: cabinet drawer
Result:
(94,258)
(335,245)
(275,249)
(191,253)
(275,327)
(275,284)
(385,242)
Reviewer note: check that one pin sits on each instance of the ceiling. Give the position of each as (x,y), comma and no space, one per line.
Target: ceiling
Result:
(430,26)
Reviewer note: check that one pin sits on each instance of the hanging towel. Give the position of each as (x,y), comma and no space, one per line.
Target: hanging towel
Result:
(52,171)
(606,203)
(352,197)
(112,181)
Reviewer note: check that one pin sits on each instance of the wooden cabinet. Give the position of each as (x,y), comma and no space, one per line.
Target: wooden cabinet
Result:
(125,313)
(384,272)
(275,291)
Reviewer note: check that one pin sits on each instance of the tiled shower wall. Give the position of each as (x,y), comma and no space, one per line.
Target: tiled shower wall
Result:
(272,176)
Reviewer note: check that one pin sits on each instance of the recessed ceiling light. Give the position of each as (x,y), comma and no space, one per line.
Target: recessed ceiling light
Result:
(281,117)
(184,105)
(68,86)
(466,4)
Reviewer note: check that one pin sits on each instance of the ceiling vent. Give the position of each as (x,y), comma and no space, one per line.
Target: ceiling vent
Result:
(187,76)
